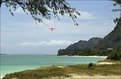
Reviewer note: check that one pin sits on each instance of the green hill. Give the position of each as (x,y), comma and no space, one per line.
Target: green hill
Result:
(112,40)
(81,47)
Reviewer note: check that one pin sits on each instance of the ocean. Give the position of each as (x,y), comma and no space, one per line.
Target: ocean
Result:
(15,63)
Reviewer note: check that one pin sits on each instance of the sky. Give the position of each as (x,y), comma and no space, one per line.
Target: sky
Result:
(21,34)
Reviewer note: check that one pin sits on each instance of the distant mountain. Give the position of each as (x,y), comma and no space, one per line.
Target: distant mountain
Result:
(113,39)
(84,44)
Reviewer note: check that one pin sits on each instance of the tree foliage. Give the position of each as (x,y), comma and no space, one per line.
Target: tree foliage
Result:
(117,3)
(84,52)
(115,55)
(42,8)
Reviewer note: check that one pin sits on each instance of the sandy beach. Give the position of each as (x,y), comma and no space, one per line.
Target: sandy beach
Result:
(87,56)
(75,76)
(102,63)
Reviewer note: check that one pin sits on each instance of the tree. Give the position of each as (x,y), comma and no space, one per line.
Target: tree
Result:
(117,3)
(115,55)
(42,8)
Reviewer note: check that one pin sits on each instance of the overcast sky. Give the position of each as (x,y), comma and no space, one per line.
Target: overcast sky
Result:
(21,35)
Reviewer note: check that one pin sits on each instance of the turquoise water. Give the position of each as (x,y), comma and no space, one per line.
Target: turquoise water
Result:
(15,63)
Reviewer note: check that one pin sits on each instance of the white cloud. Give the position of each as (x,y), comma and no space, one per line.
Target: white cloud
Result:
(46,43)
(86,15)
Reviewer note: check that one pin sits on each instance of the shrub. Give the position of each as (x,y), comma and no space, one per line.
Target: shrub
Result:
(90,65)
(116,55)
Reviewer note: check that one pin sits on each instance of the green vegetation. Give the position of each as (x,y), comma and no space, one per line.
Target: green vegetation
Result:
(49,72)
(90,65)
(117,3)
(115,55)
(66,71)
(112,54)
(84,52)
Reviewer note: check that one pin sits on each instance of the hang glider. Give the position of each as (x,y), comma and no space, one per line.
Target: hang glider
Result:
(51,29)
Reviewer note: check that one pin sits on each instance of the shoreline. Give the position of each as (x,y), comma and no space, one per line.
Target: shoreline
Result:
(72,72)
(86,56)
(66,71)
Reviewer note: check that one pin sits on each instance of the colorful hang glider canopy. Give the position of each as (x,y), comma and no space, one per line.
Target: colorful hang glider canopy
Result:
(51,29)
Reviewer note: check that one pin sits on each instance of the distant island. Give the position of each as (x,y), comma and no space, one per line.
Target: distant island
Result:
(2,54)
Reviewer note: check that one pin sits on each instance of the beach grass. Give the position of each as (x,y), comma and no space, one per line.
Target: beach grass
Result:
(67,71)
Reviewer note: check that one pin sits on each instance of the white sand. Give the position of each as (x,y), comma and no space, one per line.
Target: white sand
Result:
(1,77)
(91,56)
(75,76)
(108,63)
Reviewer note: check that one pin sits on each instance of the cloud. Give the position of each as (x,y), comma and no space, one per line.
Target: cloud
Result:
(86,15)
(46,43)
